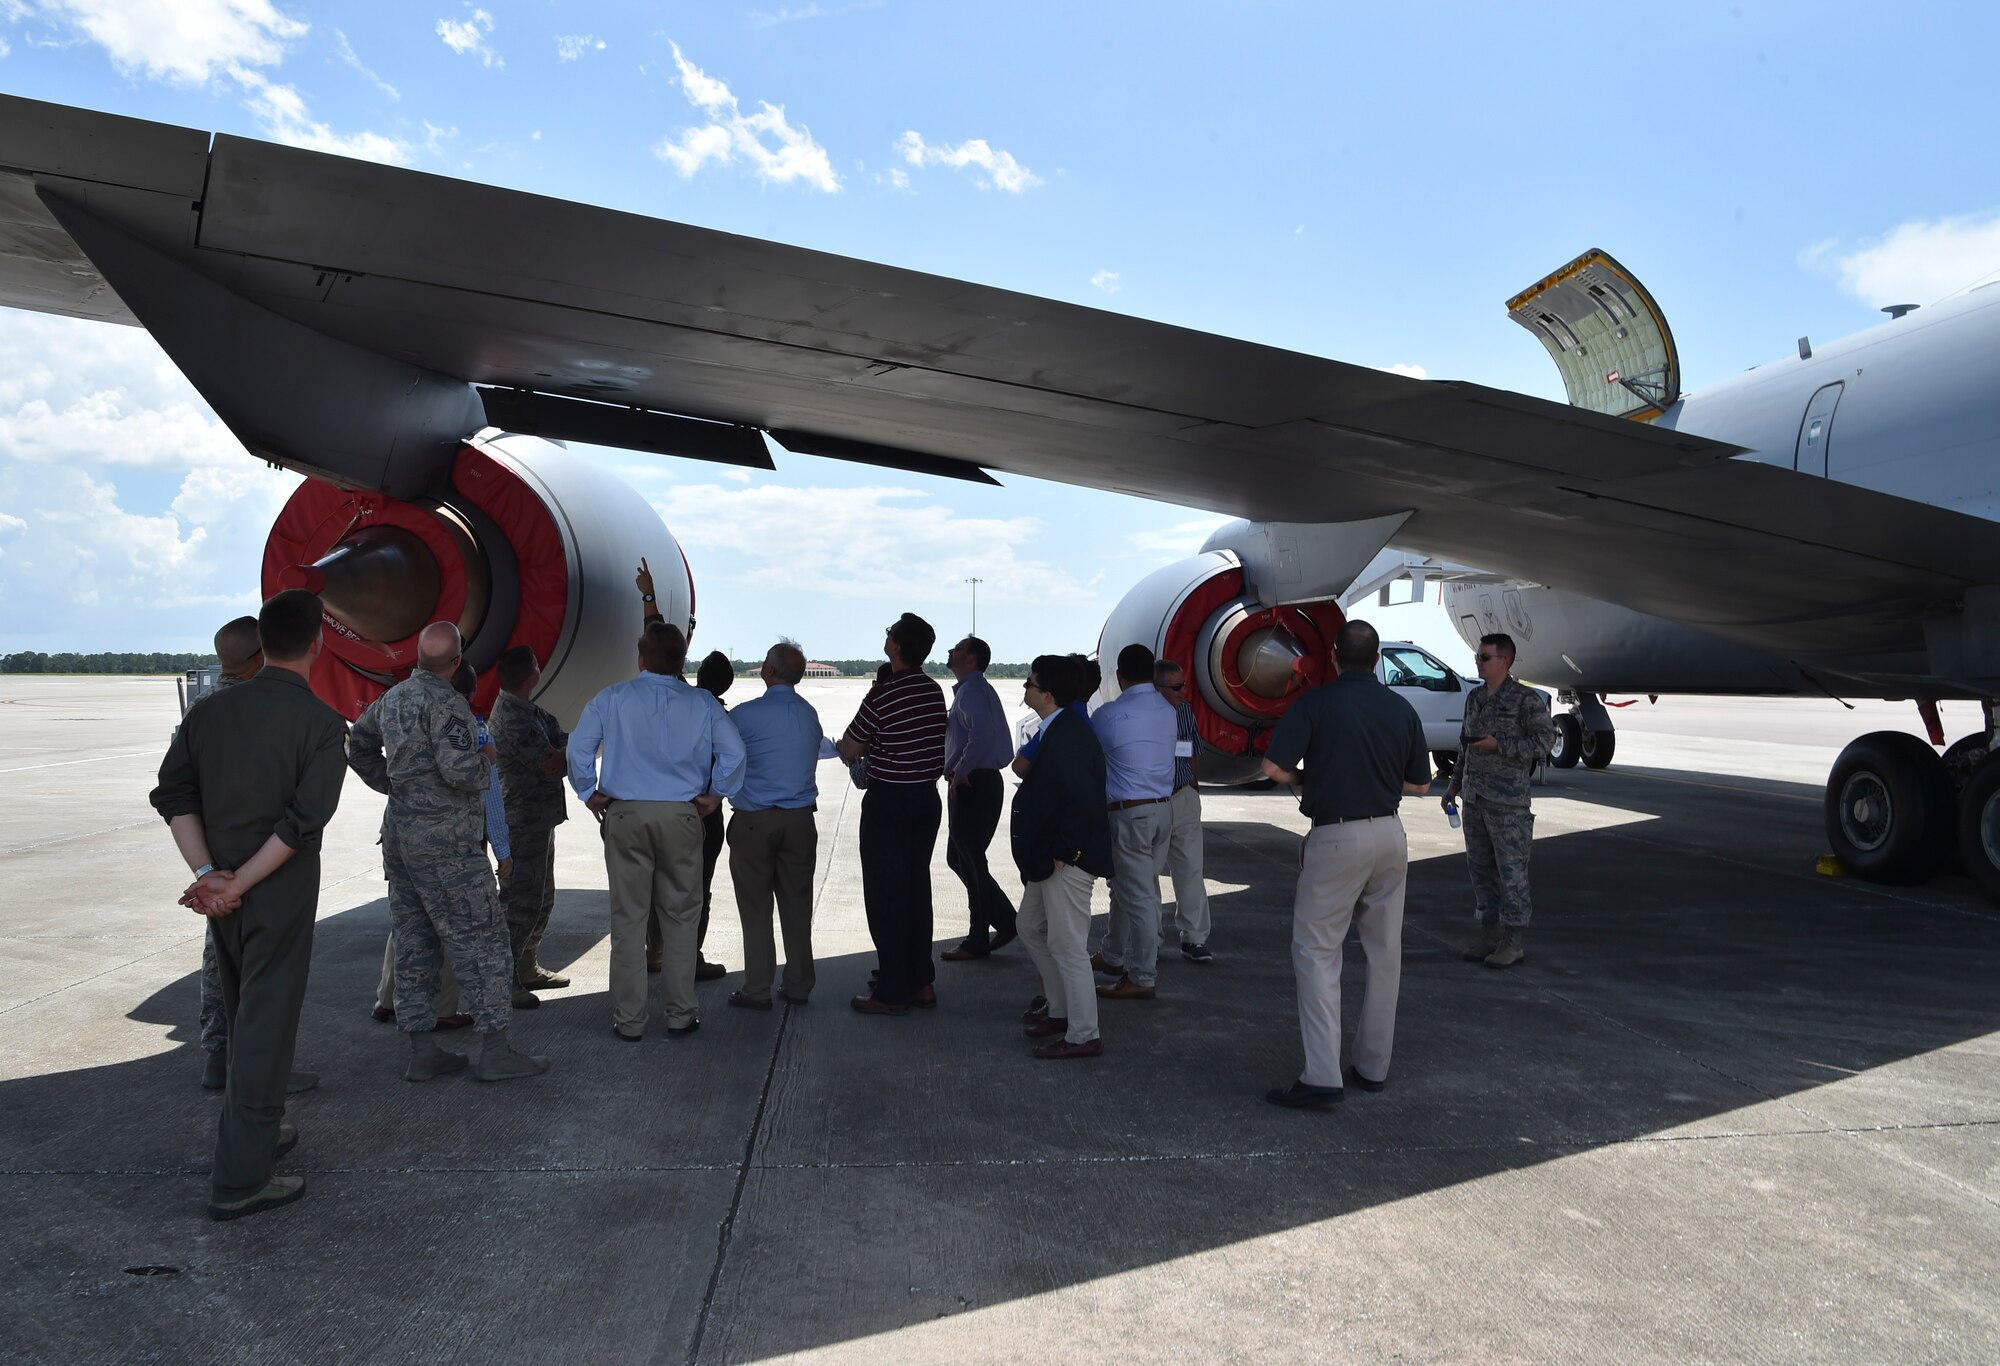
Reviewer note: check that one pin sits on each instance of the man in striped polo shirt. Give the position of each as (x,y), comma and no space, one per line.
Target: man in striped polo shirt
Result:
(901,728)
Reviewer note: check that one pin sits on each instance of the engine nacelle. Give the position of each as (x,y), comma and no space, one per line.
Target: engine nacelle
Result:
(530,545)
(1247,660)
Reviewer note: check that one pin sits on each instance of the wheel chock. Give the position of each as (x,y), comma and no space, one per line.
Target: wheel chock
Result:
(1829,865)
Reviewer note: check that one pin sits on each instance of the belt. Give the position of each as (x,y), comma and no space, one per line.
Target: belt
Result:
(1347,820)
(1136,801)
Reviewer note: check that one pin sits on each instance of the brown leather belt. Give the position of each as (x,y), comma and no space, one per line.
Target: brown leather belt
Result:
(1136,801)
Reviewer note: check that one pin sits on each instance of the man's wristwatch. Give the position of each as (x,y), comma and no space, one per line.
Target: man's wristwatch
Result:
(645,597)
(204,870)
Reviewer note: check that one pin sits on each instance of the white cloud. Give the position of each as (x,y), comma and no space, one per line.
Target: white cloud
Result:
(1180,539)
(895,178)
(989,169)
(810,10)
(1917,262)
(282,112)
(135,520)
(772,18)
(1413,371)
(435,137)
(873,542)
(184,41)
(4,48)
(348,55)
(766,140)
(571,46)
(1106,280)
(468,37)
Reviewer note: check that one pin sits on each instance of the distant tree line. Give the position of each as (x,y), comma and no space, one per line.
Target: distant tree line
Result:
(109,662)
(865,668)
(135,662)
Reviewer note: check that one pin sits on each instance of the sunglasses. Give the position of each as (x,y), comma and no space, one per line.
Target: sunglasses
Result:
(1487,659)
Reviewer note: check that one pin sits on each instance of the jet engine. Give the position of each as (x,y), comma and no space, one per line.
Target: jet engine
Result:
(526,544)
(1247,660)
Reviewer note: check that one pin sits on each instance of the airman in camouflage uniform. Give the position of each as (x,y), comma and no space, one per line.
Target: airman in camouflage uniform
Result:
(1507,731)
(418,744)
(530,741)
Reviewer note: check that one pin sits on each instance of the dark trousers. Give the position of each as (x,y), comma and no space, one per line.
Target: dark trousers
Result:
(899,826)
(263,951)
(975,815)
(711,853)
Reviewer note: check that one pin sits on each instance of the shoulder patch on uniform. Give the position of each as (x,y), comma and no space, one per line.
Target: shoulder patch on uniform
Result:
(460,734)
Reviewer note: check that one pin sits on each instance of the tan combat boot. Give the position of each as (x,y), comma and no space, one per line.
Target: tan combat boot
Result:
(1488,940)
(1509,951)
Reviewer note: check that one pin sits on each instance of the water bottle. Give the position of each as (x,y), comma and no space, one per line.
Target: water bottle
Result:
(1451,812)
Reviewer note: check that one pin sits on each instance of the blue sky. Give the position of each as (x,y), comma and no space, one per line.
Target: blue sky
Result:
(1363,182)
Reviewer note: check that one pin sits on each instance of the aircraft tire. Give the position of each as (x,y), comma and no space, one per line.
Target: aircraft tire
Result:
(1889,808)
(1979,829)
(1595,748)
(1569,742)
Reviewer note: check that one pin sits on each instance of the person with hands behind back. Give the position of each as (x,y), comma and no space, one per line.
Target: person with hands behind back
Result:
(247,788)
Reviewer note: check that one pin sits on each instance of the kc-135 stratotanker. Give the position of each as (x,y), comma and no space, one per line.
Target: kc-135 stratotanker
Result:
(417,346)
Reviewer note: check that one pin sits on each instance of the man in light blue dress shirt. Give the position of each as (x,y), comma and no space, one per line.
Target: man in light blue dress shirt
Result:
(978,743)
(773,834)
(650,757)
(1138,732)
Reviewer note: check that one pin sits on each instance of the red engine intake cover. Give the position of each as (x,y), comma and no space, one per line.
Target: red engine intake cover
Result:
(319,516)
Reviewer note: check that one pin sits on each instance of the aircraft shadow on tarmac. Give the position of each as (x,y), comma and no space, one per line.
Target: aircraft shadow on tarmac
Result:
(785,1181)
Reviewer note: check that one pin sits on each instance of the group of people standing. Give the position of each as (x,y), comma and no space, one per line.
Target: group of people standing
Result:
(254,774)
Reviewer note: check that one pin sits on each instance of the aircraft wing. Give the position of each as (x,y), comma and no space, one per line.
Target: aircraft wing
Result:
(847,358)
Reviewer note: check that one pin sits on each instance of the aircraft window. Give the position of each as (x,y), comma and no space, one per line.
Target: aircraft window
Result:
(1407,667)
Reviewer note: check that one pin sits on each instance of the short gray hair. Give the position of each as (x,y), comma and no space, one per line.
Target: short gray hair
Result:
(787,660)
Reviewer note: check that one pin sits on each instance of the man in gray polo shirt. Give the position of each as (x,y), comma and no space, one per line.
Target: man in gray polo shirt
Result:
(1363,748)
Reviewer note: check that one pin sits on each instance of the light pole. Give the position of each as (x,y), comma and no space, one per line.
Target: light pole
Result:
(975,605)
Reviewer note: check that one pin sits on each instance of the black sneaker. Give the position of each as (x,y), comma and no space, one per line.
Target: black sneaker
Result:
(1197,953)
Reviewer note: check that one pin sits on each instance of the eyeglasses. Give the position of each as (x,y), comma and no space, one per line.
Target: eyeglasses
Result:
(1030,685)
(1171,687)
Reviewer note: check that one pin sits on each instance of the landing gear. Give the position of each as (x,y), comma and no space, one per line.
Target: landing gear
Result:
(1979,828)
(1889,808)
(1569,742)
(1583,733)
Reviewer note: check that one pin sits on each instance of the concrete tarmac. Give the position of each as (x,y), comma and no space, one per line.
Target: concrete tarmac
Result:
(1729,1110)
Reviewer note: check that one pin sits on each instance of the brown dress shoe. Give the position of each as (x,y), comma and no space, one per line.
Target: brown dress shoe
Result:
(1125,989)
(448,1022)
(868,1005)
(1046,1027)
(926,997)
(1097,964)
(1063,1048)
(1038,1009)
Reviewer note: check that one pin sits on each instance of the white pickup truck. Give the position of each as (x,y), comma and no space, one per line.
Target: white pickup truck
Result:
(1434,688)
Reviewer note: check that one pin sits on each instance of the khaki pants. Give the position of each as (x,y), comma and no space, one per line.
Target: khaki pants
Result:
(1139,836)
(385,991)
(1351,872)
(1184,867)
(772,855)
(1054,924)
(652,857)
